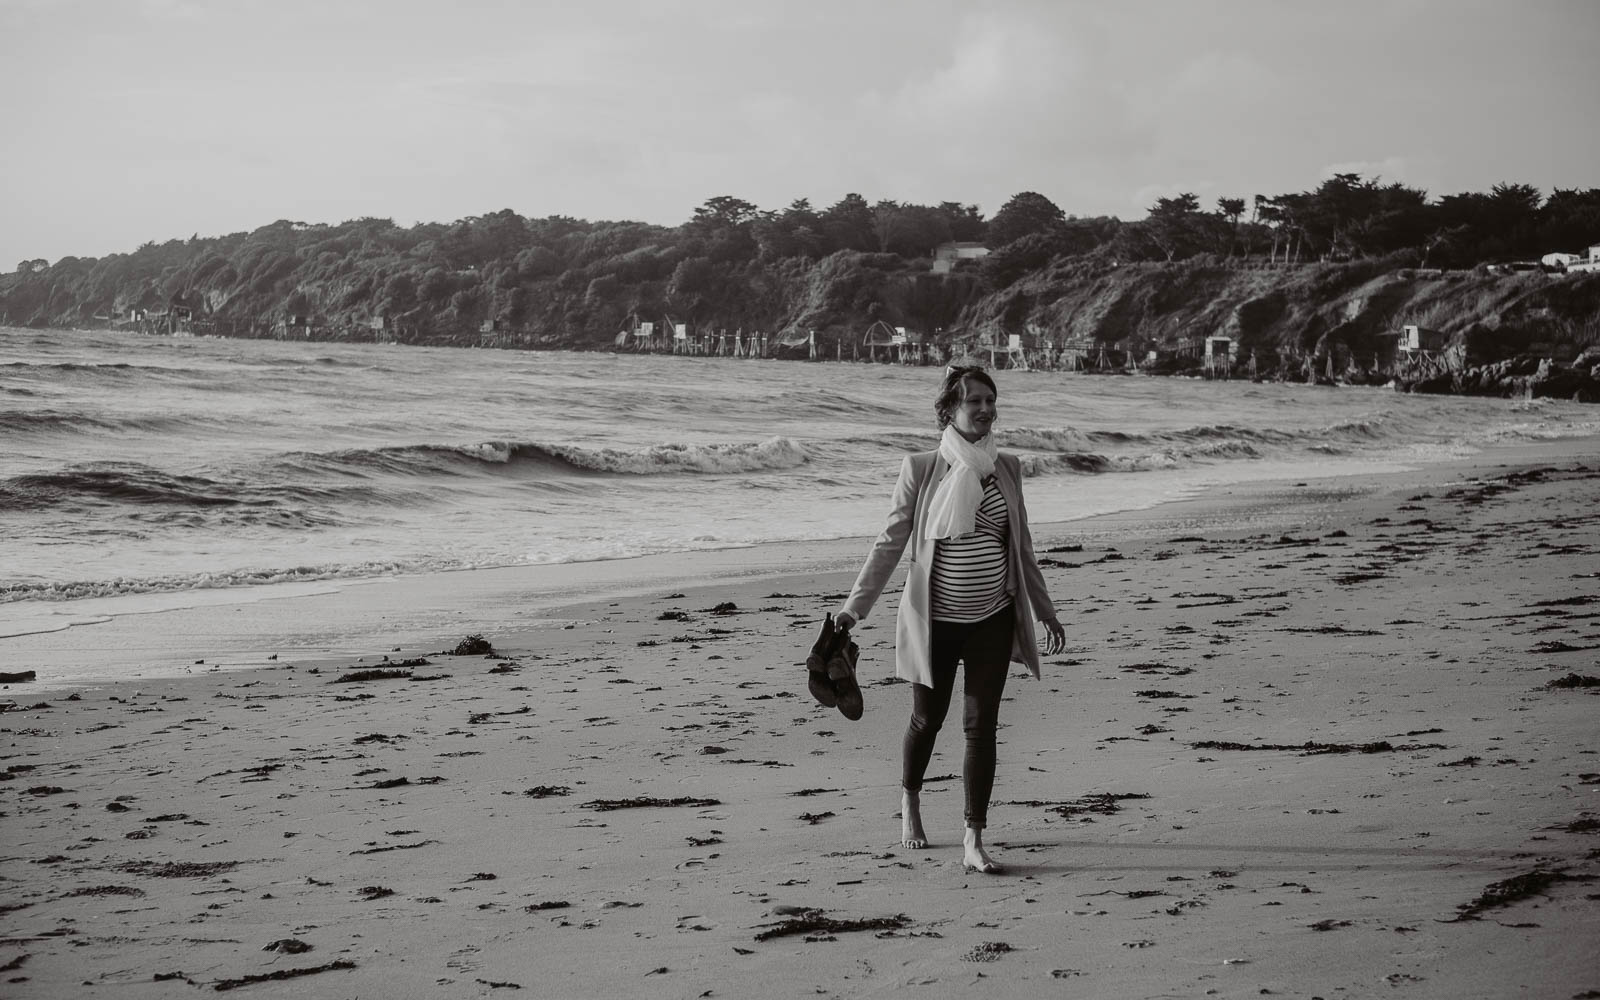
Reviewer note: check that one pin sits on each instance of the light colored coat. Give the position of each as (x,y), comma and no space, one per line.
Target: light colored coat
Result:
(919,477)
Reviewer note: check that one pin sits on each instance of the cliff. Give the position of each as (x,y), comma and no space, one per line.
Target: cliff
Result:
(1291,316)
(559,282)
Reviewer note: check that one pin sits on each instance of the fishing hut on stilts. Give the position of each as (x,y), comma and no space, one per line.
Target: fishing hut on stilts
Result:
(881,335)
(1221,353)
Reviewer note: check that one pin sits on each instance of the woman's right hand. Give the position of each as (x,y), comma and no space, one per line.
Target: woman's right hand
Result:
(844,621)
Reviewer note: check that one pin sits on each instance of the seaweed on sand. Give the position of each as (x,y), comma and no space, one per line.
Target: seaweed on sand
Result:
(1513,890)
(105,890)
(988,951)
(375,674)
(473,645)
(547,791)
(647,802)
(1100,803)
(815,921)
(268,977)
(178,869)
(1311,749)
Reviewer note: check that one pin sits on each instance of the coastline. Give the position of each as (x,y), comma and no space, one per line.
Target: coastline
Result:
(159,635)
(1301,751)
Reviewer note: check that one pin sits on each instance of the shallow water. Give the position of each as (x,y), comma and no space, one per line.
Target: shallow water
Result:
(136,464)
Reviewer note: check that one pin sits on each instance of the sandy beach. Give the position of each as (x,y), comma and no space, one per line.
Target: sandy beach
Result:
(1347,751)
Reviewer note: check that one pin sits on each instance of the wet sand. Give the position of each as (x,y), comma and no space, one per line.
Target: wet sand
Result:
(1351,755)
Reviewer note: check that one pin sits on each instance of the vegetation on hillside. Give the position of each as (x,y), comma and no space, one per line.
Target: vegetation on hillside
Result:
(1292,276)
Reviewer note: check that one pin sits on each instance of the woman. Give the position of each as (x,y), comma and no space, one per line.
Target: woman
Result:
(971,595)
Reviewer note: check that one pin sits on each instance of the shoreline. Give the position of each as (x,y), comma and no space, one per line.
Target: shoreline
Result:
(166,635)
(1517,376)
(1309,762)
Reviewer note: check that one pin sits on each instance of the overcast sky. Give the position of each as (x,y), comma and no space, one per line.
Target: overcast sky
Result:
(133,120)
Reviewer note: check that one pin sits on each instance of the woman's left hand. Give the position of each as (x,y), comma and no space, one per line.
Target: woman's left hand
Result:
(1057,640)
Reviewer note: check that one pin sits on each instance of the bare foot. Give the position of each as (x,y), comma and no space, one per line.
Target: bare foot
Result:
(975,858)
(911,834)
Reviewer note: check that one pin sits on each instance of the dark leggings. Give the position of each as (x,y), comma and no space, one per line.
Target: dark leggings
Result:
(985,648)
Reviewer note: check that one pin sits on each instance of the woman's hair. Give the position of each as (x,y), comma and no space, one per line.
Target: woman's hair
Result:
(954,390)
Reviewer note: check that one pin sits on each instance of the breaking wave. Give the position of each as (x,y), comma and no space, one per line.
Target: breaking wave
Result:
(658,459)
(235,501)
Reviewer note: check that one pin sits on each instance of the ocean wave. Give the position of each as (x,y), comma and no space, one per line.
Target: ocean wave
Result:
(65,366)
(1541,431)
(856,407)
(227,501)
(1363,429)
(1063,439)
(435,459)
(423,460)
(66,422)
(722,459)
(111,368)
(894,441)
(1072,439)
(1201,440)
(297,361)
(1095,463)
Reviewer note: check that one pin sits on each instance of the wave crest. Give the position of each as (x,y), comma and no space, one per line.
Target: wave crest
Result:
(67,422)
(513,456)
(191,500)
(719,459)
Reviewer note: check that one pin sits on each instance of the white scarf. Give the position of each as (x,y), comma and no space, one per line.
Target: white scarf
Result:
(954,508)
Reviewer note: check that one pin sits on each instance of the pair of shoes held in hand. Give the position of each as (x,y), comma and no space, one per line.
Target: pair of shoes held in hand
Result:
(831,670)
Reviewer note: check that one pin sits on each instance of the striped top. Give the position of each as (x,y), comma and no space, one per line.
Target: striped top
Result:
(968,578)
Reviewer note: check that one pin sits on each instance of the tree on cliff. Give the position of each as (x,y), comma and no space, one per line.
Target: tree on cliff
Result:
(723,212)
(848,224)
(1570,220)
(1174,225)
(1231,209)
(909,230)
(965,221)
(1025,214)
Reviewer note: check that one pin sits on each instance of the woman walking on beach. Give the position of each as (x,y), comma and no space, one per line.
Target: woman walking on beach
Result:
(971,595)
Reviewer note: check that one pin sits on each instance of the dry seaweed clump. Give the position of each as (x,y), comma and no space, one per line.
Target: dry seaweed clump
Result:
(1514,890)
(647,802)
(473,645)
(278,975)
(376,674)
(547,791)
(1310,749)
(178,869)
(1099,803)
(104,890)
(989,951)
(817,921)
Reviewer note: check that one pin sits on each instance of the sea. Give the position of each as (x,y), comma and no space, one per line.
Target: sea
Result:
(134,464)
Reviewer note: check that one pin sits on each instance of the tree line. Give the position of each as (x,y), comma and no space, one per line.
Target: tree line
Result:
(733,264)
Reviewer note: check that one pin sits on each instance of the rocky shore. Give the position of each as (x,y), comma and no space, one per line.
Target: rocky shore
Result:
(1524,377)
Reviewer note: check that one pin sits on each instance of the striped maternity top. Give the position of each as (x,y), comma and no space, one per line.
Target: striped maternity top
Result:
(968,578)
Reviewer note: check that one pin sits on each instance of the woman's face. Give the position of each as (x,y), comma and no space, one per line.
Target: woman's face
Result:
(975,414)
